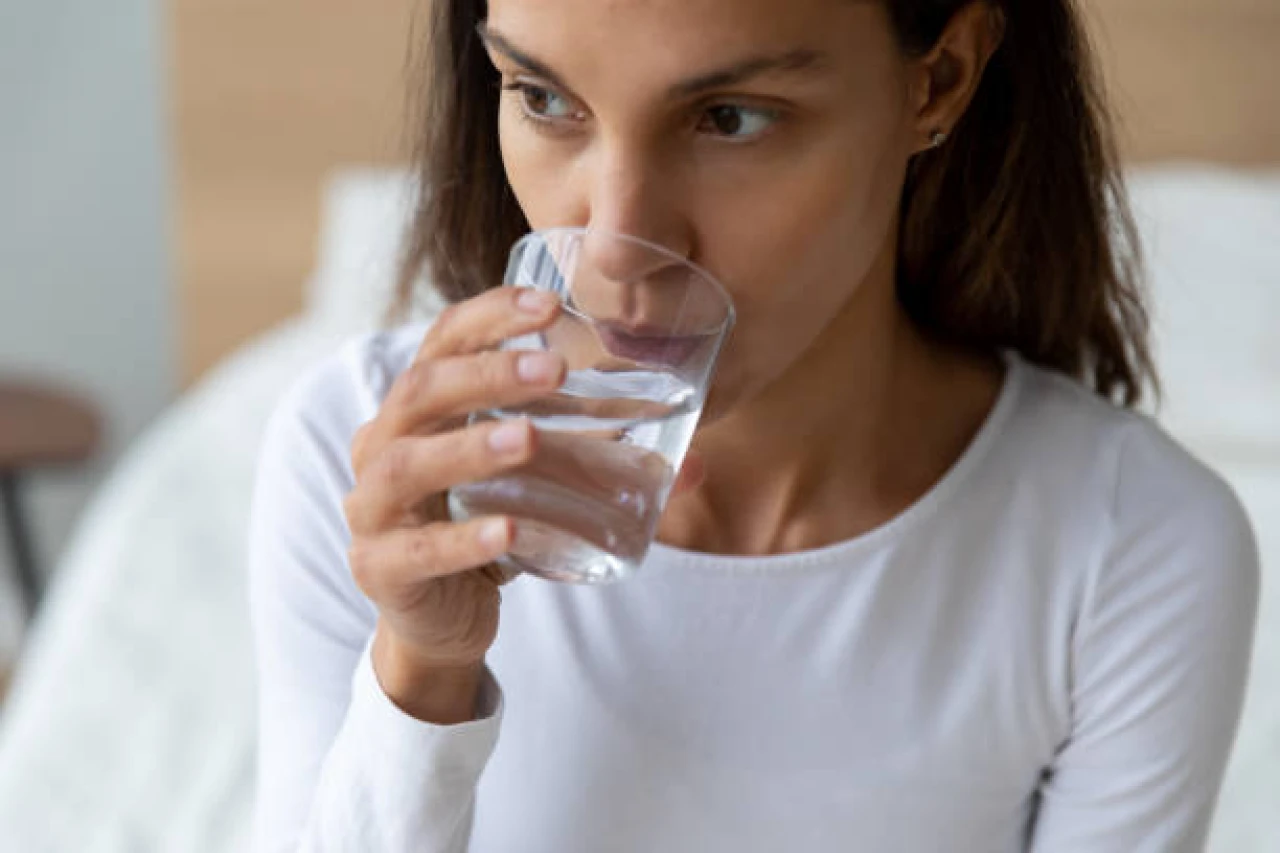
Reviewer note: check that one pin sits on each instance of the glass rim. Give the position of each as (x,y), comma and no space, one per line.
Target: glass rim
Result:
(581,231)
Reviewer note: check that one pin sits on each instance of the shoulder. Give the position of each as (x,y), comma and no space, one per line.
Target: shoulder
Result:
(1164,520)
(307,440)
(338,394)
(304,465)
(1180,539)
(1145,468)
(1130,460)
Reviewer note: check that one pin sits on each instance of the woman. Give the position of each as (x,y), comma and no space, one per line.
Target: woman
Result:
(927,582)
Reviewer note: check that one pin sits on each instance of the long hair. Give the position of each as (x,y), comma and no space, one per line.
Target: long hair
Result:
(1015,234)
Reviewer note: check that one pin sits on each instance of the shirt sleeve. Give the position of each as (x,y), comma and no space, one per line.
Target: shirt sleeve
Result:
(1161,656)
(339,766)
(391,782)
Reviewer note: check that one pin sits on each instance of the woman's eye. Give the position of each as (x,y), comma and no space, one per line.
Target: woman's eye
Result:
(736,122)
(541,103)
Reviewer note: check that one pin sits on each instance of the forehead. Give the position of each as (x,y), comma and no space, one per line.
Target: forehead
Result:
(668,39)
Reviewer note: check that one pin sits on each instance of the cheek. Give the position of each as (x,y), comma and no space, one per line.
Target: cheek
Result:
(805,243)
(801,244)
(535,176)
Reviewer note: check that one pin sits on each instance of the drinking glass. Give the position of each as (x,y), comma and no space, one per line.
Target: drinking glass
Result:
(641,329)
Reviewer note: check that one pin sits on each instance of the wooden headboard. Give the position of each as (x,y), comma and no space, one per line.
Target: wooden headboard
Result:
(268,97)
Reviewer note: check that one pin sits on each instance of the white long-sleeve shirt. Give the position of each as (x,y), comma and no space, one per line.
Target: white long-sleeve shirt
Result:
(1046,652)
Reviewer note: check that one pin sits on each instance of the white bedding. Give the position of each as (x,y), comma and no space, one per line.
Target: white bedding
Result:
(130,726)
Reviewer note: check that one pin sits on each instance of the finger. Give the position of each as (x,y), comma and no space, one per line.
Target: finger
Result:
(364,445)
(484,321)
(388,566)
(412,468)
(499,575)
(430,394)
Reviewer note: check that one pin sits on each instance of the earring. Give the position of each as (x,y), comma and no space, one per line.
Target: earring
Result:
(937,138)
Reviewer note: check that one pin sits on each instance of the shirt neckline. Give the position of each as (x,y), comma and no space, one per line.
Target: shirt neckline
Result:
(668,556)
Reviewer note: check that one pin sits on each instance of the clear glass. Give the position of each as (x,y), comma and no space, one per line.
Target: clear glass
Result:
(641,330)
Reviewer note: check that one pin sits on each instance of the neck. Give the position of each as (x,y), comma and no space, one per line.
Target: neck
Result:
(857,430)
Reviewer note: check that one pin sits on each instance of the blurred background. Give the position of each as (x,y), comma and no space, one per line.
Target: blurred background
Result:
(200,198)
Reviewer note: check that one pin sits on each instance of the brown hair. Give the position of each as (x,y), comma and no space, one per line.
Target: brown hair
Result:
(1016,233)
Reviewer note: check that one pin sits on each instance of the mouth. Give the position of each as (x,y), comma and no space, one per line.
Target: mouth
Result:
(650,345)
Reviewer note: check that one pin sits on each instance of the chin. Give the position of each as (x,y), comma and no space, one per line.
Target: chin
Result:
(724,395)
(737,382)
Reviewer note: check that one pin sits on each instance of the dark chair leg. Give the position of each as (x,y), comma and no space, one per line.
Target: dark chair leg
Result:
(24,558)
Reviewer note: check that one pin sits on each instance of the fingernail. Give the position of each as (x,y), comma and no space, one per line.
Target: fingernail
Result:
(493,534)
(535,301)
(538,367)
(510,437)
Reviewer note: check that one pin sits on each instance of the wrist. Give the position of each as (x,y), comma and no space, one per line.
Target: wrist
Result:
(443,695)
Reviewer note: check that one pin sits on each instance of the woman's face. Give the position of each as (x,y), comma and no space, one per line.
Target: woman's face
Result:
(765,140)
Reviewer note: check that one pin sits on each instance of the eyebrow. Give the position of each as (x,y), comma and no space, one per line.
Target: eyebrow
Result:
(799,61)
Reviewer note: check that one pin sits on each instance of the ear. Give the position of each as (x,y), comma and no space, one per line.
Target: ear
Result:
(945,79)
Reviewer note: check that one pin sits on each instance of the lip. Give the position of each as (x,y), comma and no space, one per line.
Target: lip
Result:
(650,345)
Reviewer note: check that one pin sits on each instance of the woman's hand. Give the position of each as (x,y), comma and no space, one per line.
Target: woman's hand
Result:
(432,579)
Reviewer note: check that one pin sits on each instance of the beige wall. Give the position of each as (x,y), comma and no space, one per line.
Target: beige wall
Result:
(270,94)
(1193,78)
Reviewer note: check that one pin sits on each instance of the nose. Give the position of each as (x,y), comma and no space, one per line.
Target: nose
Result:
(633,282)
(631,197)
(624,261)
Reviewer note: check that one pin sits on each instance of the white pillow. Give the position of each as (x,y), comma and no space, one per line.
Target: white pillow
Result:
(365,215)
(1212,240)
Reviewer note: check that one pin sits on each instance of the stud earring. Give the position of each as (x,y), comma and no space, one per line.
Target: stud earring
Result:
(937,138)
